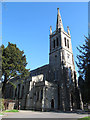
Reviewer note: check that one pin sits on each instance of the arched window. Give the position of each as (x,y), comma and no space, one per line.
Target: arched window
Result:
(65,41)
(41,94)
(57,42)
(68,43)
(52,103)
(53,43)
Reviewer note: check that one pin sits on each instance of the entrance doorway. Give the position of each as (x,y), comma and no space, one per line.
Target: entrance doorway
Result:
(52,104)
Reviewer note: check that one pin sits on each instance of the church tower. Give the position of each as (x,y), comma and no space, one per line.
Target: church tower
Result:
(60,57)
(60,46)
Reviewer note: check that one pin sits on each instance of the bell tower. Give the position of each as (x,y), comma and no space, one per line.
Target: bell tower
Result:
(60,46)
(61,62)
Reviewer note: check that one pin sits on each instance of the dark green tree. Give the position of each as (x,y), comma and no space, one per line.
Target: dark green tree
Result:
(81,84)
(84,68)
(13,63)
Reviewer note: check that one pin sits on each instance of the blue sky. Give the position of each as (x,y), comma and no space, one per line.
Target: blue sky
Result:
(27,25)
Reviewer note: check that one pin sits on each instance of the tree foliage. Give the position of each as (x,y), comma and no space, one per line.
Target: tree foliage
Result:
(0,62)
(84,68)
(13,63)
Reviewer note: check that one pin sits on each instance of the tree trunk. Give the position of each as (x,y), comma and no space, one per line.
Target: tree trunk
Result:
(4,85)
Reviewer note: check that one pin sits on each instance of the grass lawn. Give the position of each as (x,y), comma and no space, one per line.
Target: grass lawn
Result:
(1,113)
(85,118)
(11,110)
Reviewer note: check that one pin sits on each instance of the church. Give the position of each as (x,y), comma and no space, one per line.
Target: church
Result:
(53,86)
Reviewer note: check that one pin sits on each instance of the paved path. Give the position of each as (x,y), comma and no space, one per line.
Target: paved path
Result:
(33,114)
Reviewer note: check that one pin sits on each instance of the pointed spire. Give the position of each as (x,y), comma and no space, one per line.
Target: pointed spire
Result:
(50,30)
(59,21)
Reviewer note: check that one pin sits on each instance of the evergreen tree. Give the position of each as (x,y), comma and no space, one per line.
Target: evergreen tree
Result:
(81,84)
(13,63)
(84,67)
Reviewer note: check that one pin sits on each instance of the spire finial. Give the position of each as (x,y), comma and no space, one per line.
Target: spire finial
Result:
(57,8)
(68,30)
(59,20)
(50,30)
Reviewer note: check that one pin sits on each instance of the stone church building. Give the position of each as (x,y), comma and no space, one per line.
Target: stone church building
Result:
(53,86)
